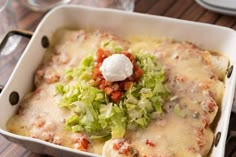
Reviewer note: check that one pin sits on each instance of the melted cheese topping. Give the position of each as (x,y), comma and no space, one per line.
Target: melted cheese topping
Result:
(195,80)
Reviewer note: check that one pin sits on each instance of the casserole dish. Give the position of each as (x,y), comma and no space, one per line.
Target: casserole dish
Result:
(215,38)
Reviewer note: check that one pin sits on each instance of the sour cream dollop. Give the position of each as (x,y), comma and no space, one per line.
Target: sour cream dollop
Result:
(116,67)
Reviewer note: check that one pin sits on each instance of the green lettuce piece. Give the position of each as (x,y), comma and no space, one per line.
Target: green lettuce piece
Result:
(178,111)
(73,120)
(60,88)
(111,45)
(118,122)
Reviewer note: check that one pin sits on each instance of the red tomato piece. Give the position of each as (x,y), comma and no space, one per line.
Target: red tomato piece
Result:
(115,96)
(108,90)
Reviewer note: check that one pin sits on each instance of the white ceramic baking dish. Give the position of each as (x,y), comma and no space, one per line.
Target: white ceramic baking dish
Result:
(123,24)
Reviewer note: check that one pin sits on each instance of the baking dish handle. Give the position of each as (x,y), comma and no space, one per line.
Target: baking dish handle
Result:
(231,147)
(23,33)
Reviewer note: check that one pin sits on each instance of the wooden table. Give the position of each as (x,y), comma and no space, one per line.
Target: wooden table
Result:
(181,9)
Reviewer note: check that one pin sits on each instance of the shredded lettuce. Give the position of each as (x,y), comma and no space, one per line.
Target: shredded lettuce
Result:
(111,45)
(147,96)
(96,115)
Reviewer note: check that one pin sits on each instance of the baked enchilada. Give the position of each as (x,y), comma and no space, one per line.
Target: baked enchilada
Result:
(134,97)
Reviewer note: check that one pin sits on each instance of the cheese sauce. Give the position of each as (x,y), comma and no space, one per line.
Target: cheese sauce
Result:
(194,78)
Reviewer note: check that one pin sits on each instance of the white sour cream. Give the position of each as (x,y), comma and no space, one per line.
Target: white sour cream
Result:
(116,67)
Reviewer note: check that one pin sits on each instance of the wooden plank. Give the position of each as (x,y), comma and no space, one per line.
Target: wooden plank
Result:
(34,25)
(19,10)
(193,13)
(8,62)
(179,8)
(161,7)
(144,5)
(28,20)
(13,151)
(234,27)
(227,21)
(209,17)
(136,1)
(7,68)
(3,144)
(4,147)
(30,154)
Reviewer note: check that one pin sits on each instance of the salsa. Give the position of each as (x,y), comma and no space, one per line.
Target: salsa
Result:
(116,89)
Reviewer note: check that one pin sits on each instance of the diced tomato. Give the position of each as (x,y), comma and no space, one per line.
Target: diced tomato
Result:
(114,89)
(128,85)
(116,146)
(138,73)
(200,132)
(205,122)
(209,105)
(102,84)
(123,147)
(83,146)
(40,123)
(122,85)
(148,142)
(212,105)
(81,143)
(108,90)
(125,151)
(84,143)
(100,55)
(115,96)
(106,54)
(95,73)
(129,55)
